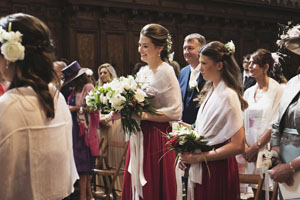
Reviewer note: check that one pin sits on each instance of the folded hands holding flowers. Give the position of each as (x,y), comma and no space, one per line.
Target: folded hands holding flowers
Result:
(187,144)
(122,95)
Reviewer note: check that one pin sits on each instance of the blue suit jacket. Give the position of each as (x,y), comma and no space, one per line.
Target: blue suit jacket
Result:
(189,106)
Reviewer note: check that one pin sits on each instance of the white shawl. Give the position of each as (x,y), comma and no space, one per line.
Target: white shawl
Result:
(164,87)
(218,119)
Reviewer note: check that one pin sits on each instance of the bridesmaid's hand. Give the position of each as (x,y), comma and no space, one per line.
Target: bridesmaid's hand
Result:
(282,173)
(181,165)
(190,158)
(184,124)
(251,153)
(115,116)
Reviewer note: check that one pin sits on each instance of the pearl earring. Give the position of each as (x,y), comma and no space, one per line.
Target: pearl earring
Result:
(6,66)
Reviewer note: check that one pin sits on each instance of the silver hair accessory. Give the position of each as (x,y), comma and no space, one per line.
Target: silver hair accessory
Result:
(169,43)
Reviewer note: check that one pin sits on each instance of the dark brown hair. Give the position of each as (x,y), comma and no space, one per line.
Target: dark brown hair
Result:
(36,70)
(79,82)
(159,36)
(230,72)
(261,57)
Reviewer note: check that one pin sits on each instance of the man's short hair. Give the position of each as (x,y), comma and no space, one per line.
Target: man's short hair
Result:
(200,38)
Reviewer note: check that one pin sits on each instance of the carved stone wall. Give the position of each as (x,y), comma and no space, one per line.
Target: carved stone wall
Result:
(98,31)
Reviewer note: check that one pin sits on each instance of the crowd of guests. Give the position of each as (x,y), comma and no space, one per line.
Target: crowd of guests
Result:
(240,114)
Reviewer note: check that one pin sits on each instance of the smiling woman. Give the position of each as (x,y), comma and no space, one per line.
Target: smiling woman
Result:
(147,167)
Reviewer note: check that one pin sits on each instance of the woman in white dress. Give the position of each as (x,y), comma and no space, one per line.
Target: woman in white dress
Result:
(263,99)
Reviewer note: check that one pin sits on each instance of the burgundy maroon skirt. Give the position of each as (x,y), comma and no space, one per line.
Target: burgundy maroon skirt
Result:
(159,169)
(223,182)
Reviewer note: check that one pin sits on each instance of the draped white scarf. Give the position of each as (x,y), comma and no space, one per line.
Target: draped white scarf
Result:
(218,119)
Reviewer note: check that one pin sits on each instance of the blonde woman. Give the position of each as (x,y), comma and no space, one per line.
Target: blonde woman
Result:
(110,130)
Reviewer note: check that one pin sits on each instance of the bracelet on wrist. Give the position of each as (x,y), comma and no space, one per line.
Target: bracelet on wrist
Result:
(81,110)
(258,144)
(292,168)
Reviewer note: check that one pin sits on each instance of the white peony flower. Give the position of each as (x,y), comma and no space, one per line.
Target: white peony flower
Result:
(140,95)
(13,51)
(117,101)
(125,84)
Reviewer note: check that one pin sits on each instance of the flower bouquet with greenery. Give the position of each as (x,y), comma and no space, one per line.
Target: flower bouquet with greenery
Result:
(125,96)
(185,139)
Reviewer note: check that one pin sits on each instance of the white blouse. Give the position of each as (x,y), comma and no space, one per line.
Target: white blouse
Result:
(260,114)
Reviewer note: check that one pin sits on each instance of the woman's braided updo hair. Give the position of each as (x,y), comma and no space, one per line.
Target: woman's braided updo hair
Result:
(159,36)
(230,72)
(36,70)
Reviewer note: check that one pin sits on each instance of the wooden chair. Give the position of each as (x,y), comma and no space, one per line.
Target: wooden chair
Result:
(109,174)
(253,179)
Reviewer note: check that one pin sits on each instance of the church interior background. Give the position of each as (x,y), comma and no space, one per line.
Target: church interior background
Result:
(98,31)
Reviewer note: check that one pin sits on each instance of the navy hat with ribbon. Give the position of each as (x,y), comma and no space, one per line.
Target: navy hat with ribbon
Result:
(72,71)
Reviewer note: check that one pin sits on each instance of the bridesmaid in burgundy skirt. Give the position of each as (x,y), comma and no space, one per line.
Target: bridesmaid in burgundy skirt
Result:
(220,120)
(151,174)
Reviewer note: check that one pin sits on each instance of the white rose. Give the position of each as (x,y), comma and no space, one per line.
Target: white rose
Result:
(140,95)
(193,84)
(116,85)
(117,101)
(13,51)
(133,85)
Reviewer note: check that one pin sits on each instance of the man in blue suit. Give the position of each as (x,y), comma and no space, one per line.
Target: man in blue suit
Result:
(190,79)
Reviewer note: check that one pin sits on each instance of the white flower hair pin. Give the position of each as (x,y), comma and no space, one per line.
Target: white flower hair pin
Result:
(11,47)
(230,46)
